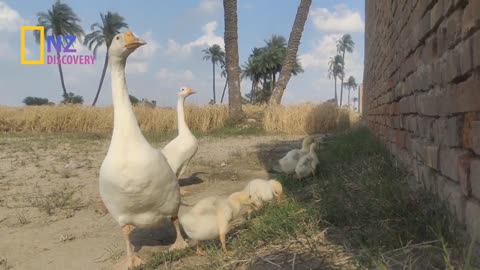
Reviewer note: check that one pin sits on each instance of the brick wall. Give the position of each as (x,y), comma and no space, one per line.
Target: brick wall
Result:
(422,94)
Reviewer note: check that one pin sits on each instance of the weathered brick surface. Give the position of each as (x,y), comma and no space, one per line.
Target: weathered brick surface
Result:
(421,93)
(472,219)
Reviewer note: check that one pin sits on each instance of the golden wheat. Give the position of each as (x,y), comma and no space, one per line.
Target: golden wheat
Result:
(294,119)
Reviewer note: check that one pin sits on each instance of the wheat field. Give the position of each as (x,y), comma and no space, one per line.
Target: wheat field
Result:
(302,119)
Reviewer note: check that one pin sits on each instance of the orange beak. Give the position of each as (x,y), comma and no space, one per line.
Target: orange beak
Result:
(131,41)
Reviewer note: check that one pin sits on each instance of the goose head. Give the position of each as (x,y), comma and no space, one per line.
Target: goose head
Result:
(123,44)
(307,142)
(313,147)
(185,92)
(277,189)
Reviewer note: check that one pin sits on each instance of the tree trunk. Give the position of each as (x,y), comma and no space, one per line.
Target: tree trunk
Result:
(252,92)
(348,100)
(224,88)
(336,97)
(292,49)
(342,77)
(231,55)
(273,80)
(213,71)
(101,80)
(65,94)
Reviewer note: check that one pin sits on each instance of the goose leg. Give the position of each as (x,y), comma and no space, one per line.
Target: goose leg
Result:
(200,251)
(222,239)
(132,259)
(249,212)
(179,242)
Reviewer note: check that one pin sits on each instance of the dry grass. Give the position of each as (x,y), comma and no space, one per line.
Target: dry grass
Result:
(308,118)
(294,119)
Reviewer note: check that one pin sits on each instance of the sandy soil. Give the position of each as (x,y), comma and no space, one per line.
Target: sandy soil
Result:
(49,189)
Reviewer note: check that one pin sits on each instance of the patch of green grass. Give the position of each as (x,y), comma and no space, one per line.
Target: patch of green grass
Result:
(361,198)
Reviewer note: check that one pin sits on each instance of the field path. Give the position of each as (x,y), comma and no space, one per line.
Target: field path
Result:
(49,189)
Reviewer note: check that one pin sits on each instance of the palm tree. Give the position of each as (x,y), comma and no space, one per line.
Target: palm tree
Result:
(233,68)
(335,70)
(292,49)
(344,44)
(276,47)
(215,54)
(104,33)
(351,84)
(58,21)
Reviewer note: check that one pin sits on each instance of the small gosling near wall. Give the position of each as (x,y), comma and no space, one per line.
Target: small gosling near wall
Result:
(307,164)
(211,217)
(262,191)
(289,162)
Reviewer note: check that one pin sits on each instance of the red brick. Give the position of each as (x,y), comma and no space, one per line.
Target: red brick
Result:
(476,53)
(464,97)
(449,162)
(465,50)
(442,38)
(448,131)
(463,164)
(454,69)
(436,14)
(454,28)
(471,17)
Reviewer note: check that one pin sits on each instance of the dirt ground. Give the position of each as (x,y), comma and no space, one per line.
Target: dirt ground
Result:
(49,190)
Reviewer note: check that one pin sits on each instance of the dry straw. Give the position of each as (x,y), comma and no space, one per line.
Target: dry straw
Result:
(294,119)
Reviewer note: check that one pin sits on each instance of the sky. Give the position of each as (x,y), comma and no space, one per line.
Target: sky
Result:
(176,32)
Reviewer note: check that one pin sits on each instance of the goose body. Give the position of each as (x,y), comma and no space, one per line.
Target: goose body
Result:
(211,217)
(289,162)
(136,183)
(307,164)
(181,150)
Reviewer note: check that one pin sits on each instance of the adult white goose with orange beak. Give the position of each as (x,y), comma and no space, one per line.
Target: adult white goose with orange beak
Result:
(181,150)
(137,185)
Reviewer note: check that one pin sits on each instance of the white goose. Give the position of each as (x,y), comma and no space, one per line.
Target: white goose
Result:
(181,149)
(137,185)
(290,160)
(308,163)
(211,218)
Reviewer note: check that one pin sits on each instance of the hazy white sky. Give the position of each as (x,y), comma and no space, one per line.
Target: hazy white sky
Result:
(176,33)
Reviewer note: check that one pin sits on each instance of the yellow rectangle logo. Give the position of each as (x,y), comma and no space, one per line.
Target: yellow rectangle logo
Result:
(42,45)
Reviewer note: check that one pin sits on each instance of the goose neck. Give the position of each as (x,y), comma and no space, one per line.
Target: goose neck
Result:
(125,122)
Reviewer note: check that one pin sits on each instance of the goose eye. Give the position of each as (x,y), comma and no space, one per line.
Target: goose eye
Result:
(118,37)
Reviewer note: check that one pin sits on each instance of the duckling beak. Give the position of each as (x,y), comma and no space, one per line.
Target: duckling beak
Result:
(280,198)
(133,42)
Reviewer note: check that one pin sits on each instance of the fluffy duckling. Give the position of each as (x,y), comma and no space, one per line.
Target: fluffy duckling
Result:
(289,162)
(211,217)
(262,191)
(308,163)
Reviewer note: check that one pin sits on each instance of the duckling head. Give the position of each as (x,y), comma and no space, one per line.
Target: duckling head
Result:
(277,189)
(307,141)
